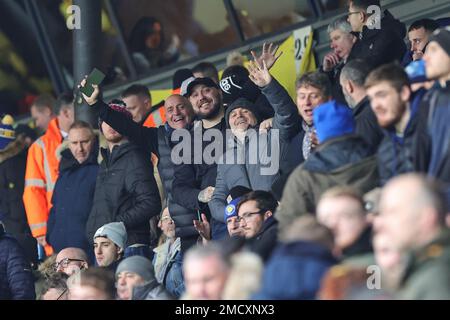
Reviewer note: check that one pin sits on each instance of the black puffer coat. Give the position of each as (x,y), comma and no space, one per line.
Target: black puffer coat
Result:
(16,279)
(156,140)
(125,191)
(182,216)
(381,46)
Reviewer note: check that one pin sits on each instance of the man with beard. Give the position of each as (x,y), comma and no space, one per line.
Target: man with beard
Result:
(193,183)
(352,81)
(194,180)
(179,115)
(396,111)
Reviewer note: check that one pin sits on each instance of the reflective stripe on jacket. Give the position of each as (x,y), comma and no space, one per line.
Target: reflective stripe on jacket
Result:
(156,118)
(40,178)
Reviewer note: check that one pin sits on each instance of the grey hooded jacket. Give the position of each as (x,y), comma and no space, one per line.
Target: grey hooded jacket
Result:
(254,163)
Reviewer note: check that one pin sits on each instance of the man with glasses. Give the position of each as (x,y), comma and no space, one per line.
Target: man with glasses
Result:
(70,261)
(255,216)
(379,35)
(230,216)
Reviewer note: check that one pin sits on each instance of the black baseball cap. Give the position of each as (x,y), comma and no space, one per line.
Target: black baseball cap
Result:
(208,82)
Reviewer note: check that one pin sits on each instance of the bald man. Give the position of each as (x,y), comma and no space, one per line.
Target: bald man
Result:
(412,216)
(179,115)
(71,260)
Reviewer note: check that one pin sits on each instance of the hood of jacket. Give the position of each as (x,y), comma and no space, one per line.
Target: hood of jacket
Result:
(150,290)
(338,153)
(267,224)
(117,152)
(294,271)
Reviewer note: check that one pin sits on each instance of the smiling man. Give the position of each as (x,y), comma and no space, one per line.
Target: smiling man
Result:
(179,115)
(254,170)
(313,89)
(390,95)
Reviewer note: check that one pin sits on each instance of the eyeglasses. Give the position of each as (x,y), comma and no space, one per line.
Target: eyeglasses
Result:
(354,12)
(246,216)
(64,263)
(166,218)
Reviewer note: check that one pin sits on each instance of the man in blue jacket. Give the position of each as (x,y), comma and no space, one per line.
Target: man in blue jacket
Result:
(434,134)
(395,107)
(16,279)
(74,190)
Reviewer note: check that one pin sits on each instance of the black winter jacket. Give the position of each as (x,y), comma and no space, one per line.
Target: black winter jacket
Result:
(396,154)
(381,46)
(72,202)
(13,161)
(156,140)
(432,149)
(334,77)
(266,239)
(367,125)
(125,191)
(16,278)
(190,179)
(182,216)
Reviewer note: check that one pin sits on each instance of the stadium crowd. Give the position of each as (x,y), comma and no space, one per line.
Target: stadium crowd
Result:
(233,190)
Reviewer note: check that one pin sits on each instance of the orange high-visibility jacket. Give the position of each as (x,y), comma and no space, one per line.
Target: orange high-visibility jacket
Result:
(156,118)
(40,178)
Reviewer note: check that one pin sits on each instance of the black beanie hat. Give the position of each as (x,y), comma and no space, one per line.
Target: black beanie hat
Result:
(179,76)
(245,104)
(442,37)
(232,83)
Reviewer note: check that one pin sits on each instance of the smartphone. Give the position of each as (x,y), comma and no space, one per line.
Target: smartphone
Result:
(96,77)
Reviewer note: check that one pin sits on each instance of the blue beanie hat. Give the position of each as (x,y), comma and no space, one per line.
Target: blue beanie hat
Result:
(333,120)
(7,133)
(231,209)
(416,71)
